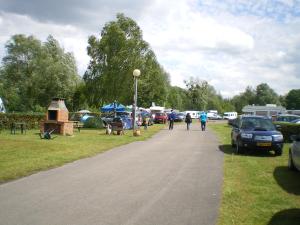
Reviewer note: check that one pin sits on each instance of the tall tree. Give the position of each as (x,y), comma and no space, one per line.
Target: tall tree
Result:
(177,98)
(34,72)
(265,95)
(248,97)
(114,56)
(198,92)
(293,99)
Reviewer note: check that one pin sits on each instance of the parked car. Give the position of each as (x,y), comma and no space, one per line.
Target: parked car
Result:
(294,153)
(160,118)
(287,117)
(255,132)
(179,117)
(215,116)
(296,121)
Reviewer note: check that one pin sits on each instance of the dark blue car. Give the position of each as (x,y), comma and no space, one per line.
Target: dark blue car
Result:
(255,132)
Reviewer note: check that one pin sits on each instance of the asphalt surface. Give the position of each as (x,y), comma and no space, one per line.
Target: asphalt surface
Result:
(173,178)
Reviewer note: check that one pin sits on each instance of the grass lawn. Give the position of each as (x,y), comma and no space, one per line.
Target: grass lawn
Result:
(22,155)
(258,188)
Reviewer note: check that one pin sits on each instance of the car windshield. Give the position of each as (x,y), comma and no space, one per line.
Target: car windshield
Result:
(287,118)
(259,124)
(159,114)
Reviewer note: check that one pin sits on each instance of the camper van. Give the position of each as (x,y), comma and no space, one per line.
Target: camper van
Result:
(194,114)
(230,115)
(2,108)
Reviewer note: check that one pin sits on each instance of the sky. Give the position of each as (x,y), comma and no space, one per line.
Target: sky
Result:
(231,44)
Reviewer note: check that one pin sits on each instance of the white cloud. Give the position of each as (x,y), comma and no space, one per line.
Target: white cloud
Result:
(232,44)
(71,38)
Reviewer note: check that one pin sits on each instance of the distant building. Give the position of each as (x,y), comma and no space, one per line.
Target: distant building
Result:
(267,110)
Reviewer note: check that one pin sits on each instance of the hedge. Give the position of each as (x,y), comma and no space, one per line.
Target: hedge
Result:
(32,120)
(288,129)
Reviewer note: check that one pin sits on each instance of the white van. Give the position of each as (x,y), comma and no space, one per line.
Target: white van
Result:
(230,115)
(194,114)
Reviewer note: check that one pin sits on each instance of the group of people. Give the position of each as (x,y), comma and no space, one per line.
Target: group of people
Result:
(188,120)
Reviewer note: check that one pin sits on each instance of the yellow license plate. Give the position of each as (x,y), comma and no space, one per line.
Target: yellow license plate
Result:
(264,144)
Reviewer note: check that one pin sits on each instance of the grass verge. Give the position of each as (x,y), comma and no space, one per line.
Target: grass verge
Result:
(22,155)
(258,188)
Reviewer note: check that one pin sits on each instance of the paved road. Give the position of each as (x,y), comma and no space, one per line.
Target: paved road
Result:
(173,178)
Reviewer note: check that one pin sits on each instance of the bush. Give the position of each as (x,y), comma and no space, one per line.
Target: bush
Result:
(32,120)
(288,129)
(93,122)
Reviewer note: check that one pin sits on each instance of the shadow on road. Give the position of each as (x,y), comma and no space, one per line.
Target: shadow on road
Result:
(286,217)
(287,179)
(228,149)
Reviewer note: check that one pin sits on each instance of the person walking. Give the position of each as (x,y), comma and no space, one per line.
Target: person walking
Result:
(171,119)
(188,120)
(145,122)
(203,120)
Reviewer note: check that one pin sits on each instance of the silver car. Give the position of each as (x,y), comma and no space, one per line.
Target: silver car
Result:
(294,153)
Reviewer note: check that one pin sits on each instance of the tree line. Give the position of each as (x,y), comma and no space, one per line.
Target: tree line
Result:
(32,72)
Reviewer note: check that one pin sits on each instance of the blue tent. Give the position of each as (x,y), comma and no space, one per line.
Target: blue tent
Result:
(113,107)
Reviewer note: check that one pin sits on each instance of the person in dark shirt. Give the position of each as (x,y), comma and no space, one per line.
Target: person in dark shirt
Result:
(188,120)
(171,119)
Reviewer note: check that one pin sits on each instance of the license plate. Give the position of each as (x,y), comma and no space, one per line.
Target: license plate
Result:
(264,144)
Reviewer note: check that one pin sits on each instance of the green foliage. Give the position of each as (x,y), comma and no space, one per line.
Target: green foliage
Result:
(265,95)
(246,98)
(34,72)
(177,98)
(293,99)
(198,93)
(288,129)
(114,56)
(262,95)
(32,120)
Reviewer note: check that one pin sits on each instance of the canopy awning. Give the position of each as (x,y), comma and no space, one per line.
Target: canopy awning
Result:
(113,107)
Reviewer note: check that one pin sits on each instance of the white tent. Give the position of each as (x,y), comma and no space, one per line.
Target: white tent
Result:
(157,109)
(2,108)
(84,111)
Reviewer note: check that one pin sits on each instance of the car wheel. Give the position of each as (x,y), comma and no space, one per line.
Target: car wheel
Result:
(238,148)
(291,164)
(278,152)
(232,143)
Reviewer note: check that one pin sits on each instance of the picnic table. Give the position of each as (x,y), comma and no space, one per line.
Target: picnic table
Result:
(18,125)
(78,125)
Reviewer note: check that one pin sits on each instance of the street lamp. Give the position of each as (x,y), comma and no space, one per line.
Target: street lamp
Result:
(136,73)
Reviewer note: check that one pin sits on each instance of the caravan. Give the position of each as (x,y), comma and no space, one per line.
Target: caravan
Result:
(230,115)
(2,108)
(194,114)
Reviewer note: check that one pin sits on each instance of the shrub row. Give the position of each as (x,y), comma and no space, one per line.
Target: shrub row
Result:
(32,120)
(288,129)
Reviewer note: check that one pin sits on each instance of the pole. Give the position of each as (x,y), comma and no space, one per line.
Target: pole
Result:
(134,103)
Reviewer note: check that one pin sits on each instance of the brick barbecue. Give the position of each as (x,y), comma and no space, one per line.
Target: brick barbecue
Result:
(57,118)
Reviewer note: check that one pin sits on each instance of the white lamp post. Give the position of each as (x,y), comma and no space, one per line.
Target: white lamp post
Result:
(136,73)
